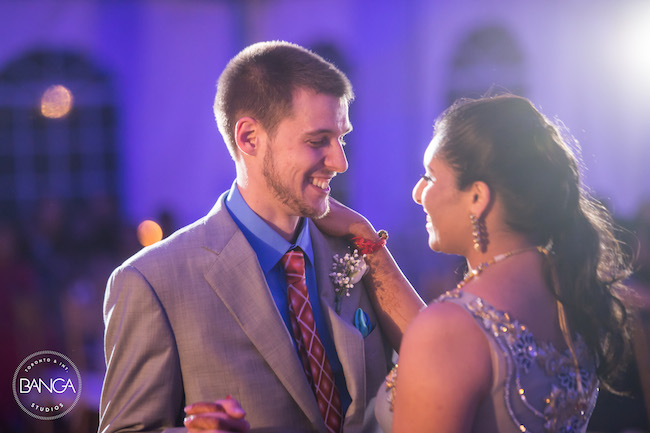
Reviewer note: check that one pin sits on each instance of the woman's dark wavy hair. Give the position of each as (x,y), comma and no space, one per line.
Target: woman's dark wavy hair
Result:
(507,143)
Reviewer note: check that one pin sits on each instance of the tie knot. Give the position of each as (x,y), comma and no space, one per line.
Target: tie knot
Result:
(294,262)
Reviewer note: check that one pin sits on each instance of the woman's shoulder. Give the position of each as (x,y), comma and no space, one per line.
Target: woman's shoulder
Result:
(443,314)
(448,325)
(450,308)
(444,363)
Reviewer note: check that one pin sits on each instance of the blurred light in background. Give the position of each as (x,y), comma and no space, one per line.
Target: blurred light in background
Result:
(633,46)
(149,232)
(56,102)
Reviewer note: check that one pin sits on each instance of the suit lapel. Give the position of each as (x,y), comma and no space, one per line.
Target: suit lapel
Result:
(347,339)
(236,277)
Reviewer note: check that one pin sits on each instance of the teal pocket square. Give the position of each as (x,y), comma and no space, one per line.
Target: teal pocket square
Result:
(362,323)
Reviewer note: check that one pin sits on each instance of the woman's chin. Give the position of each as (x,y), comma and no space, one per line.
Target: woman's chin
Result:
(434,244)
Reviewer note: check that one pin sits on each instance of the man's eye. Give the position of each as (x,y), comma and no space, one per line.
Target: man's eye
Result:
(321,142)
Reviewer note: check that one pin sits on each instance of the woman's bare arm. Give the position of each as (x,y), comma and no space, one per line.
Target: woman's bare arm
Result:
(395,300)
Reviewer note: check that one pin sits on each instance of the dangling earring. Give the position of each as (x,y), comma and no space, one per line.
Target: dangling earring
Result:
(479,233)
(476,235)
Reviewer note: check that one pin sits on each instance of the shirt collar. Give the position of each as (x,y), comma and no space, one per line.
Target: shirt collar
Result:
(267,243)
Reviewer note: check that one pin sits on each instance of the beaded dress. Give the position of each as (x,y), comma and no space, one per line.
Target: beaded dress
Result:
(534,385)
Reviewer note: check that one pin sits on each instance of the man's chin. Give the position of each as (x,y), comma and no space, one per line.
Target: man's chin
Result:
(316,215)
(322,214)
(318,212)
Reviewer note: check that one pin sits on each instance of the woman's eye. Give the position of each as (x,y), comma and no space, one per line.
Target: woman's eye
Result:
(427,178)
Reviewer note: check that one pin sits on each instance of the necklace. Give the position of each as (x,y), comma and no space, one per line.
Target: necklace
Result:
(496,259)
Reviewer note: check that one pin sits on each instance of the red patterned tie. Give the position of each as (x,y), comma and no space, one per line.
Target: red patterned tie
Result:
(314,359)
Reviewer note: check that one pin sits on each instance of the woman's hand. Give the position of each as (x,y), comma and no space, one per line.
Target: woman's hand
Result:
(341,221)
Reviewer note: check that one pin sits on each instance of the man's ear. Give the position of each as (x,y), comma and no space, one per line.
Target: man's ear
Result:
(481,196)
(248,132)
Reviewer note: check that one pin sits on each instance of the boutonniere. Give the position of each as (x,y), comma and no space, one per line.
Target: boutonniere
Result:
(346,272)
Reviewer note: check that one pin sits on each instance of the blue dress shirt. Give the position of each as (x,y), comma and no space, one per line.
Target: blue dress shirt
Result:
(270,247)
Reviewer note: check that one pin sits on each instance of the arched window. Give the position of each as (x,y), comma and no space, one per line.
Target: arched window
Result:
(57,132)
(488,58)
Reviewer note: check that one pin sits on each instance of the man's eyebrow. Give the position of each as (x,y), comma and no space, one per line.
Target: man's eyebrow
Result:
(326,131)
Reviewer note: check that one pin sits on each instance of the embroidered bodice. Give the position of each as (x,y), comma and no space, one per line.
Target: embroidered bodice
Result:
(535,386)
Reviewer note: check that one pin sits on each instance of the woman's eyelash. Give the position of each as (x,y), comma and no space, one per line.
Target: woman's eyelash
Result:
(427,178)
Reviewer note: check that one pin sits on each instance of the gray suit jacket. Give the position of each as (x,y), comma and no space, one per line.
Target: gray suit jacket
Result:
(191,319)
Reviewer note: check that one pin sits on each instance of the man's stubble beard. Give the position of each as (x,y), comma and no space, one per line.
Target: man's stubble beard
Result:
(284,194)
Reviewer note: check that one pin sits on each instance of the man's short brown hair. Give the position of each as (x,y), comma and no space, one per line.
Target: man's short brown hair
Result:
(260,82)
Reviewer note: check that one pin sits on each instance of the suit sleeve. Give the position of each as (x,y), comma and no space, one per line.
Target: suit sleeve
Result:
(143,389)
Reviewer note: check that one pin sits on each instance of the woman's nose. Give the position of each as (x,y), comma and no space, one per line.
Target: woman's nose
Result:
(417,191)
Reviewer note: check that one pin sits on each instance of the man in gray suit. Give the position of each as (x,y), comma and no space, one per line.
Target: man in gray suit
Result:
(204,314)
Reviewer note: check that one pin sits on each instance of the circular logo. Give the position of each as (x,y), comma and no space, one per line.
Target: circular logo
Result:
(47,385)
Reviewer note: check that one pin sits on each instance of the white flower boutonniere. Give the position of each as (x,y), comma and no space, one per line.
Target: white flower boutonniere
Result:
(346,272)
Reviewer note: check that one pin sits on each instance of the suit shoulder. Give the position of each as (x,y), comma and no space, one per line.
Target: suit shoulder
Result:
(208,235)
(335,243)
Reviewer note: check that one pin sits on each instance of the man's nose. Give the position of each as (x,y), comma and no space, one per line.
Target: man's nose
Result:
(335,159)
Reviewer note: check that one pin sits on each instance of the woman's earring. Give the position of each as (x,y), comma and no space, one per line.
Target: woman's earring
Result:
(479,233)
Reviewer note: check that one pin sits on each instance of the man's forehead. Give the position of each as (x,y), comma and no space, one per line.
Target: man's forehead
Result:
(324,112)
(302,92)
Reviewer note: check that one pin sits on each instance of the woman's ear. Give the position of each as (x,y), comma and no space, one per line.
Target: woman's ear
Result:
(481,196)
(247,135)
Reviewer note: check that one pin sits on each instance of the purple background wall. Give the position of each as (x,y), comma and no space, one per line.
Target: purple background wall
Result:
(165,57)
(584,61)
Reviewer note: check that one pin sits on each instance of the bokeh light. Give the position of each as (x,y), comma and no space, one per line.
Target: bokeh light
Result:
(149,232)
(56,102)
(633,47)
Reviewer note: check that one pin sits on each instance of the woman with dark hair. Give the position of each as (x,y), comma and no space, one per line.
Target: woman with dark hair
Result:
(522,343)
